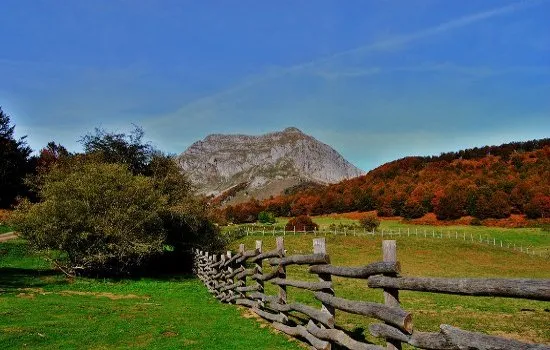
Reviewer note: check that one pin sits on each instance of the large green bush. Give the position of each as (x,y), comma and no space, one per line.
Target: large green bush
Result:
(99,216)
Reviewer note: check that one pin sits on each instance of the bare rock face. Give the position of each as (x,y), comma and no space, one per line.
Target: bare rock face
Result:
(272,161)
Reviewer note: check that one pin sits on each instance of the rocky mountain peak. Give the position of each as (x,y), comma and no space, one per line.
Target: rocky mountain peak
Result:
(267,164)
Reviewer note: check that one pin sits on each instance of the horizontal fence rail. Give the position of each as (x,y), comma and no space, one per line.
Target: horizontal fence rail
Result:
(239,278)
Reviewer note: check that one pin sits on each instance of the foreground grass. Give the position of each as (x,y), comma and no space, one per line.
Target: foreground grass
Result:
(41,309)
(5,229)
(520,319)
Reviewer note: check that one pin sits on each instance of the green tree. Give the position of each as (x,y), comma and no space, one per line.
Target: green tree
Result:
(266,217)
(14,162)
(103,218)
(121,148)
(108,218)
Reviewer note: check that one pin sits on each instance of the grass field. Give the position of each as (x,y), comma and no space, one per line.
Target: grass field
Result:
(534,238)
(41,309)
(520,319)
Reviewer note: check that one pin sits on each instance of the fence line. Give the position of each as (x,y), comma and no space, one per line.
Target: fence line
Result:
(240,278)
(470,237)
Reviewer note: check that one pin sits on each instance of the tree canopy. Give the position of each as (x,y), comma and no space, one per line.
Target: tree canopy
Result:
(14,162)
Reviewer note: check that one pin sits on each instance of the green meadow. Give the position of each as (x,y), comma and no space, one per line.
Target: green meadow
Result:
(41,309)
(427,257)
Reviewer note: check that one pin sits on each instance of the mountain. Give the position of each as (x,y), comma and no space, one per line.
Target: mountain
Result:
(260,166)
(488,183)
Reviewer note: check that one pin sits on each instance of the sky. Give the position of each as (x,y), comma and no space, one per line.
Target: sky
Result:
(377,80)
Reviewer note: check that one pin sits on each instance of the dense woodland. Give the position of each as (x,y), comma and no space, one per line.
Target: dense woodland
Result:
(487,182)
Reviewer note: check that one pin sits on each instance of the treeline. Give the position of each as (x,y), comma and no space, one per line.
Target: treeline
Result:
(486,182)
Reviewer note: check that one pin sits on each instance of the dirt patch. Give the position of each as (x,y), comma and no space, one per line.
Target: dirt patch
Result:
(169,334)
(25,296)
(108,295)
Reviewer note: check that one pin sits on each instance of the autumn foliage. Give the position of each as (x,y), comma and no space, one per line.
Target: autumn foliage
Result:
(491,182)
(301,223)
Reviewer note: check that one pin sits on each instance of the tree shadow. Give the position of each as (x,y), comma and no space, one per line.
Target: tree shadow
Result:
(14,278)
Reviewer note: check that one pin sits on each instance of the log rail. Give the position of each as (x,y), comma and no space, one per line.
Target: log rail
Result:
(225,276)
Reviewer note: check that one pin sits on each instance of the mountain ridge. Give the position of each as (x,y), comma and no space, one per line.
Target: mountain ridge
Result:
(269,161)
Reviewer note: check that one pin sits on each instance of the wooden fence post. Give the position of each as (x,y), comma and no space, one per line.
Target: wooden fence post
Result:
(243,278)
(282,271)
(391,296)
(320,247)
(258,266)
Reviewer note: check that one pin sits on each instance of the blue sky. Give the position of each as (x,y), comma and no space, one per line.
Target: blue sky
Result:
(377,80)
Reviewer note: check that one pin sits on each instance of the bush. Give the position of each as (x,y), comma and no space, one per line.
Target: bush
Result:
(100,215)
(370,222)
(476,222)
(266,217)
(106,220)
(301,223)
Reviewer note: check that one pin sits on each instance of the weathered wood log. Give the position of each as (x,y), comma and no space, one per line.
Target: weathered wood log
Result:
(423,340)
(257,295)
(216,264)
(465,340)
(246,272)
(247,254)
(232,259)
(246,302)
(245,289)
(314,286)
(340,338)
(270,254)
(269,316)
(301,331)
(376,268)
(267,276)
(313,313)
(236,271)
(516,288)
(316,314)
(394,316)
(231,286)
(311,259)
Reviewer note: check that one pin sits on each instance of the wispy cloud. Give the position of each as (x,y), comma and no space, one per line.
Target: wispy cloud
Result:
(444,68)
(379,46)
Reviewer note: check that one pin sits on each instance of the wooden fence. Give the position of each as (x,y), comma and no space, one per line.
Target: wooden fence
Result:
(239,278)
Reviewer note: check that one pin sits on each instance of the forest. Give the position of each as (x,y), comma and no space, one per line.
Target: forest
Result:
(491,182)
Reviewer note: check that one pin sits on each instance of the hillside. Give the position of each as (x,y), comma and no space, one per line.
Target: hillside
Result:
(260,166)
(488,182)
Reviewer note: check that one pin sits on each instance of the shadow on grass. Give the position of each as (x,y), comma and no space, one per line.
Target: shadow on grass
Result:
(14,278)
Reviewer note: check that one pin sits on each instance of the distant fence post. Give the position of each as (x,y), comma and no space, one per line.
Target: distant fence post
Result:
(391,295)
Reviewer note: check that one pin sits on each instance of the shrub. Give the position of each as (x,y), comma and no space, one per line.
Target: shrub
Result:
(369,222)
(100,215)
(476,222)
(301,223)
(106,220)
(266,217)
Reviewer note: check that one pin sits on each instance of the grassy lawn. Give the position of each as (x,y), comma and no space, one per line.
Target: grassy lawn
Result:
(534,238)
(520,319)
(41,309)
